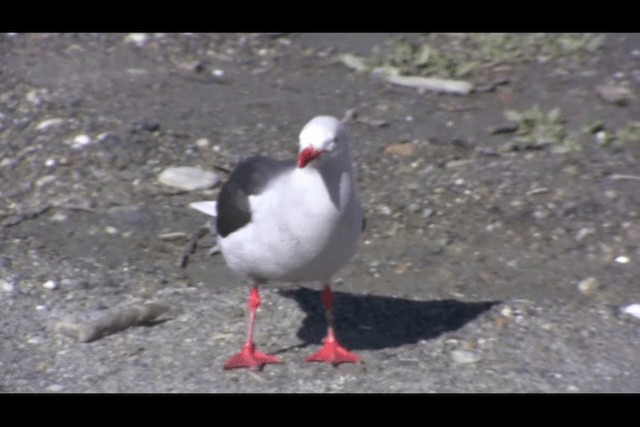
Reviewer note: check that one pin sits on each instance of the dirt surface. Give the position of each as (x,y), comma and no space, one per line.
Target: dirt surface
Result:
(489,263)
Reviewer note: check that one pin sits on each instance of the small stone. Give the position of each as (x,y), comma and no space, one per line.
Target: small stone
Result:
(50,284)
(541,214)
(50,162)
(354,62)
(55,388)
(583,233)
(622,259)
(33,96)
(464,357)
(58,217)
(632,310)
(7,286)
(400,149)
(384,210)
(506,311)
(615,94)
(601,137)
(402,268)
(45,124)
(109,229)
(139,39)
(47,179)
(80,141)
(188,178)
(588,286)
(202,143)
(493,226)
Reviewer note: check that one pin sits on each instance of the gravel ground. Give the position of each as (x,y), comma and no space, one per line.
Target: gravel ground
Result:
(501,252)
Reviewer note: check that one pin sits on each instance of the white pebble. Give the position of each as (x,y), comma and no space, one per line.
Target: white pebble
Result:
(50,162)
(601,137)
(45,124)
(7,286)
(109,229)
(463,357)
(32,97)
(588,286)
(49,284)
(622,259)
(33,340)
(218,72)
(188,178)
(632,310)
(55,388)
(80,141)
(202,143)
(384,210)
(139,39)
(506,312)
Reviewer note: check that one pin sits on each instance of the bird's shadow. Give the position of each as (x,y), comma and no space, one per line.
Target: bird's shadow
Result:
(377,322)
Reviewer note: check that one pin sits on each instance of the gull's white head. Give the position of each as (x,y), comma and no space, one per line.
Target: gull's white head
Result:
(323,134)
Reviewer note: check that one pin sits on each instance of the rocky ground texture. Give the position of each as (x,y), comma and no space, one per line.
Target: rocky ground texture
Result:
(500,175)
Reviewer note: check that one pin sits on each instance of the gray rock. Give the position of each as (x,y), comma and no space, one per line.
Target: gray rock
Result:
(615,94)
(464,357)
(588,286)
(188,178)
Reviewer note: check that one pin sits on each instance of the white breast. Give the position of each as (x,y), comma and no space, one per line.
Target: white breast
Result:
(298,232)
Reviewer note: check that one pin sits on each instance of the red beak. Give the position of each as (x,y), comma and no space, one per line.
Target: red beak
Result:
(307,155)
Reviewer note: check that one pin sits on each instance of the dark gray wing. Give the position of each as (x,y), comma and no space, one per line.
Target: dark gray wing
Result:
(250,177)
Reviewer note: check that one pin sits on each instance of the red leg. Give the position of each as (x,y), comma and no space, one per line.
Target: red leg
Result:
(331,351)
(249,357)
